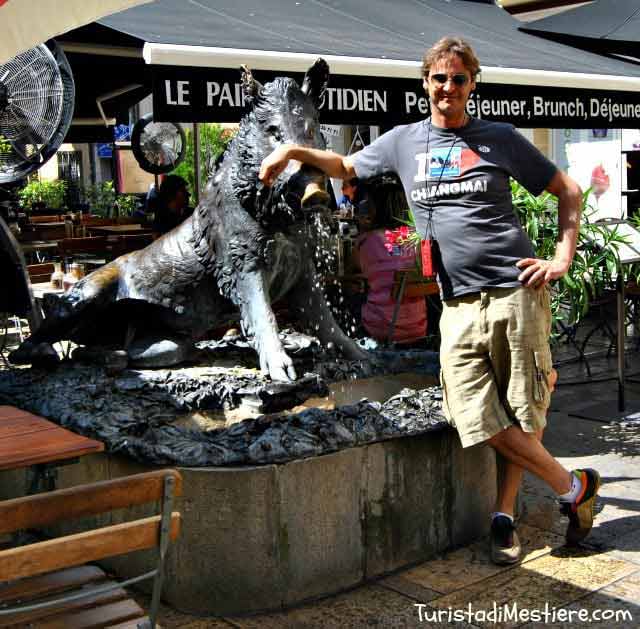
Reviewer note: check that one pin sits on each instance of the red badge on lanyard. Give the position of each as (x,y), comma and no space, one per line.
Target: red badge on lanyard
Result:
(427,251)
(429,248)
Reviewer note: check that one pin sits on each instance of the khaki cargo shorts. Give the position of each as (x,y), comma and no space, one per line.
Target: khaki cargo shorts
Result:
(496,361)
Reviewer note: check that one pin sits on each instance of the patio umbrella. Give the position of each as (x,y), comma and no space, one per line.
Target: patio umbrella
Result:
(26,23)
(608,27)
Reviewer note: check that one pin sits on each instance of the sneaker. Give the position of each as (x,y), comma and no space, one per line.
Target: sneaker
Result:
(580,512)
(505,545)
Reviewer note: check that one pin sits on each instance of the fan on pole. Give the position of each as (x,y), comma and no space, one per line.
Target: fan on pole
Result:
(158,146)
(36,107)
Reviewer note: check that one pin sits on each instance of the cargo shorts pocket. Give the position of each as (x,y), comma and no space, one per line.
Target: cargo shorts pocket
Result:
(541,371)
(528,392)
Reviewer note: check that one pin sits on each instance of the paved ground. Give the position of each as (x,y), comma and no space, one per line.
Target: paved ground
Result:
(602,578)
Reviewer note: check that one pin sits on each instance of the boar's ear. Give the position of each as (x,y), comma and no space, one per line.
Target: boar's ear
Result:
(250,87)
(315,81)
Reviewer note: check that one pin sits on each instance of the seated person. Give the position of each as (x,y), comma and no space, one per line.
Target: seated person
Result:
(172,205)
(353,203)
(379,264)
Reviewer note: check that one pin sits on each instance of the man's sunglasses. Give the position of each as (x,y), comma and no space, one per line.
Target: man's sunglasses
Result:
(458,79)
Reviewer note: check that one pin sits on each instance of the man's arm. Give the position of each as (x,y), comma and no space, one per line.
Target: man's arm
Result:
(332,164)
(538,272)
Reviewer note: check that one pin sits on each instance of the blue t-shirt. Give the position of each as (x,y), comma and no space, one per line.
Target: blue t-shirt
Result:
(462,175)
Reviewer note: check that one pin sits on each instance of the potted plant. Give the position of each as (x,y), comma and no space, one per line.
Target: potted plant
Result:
(47,194)
(126,204)
(596,261)
(100,198)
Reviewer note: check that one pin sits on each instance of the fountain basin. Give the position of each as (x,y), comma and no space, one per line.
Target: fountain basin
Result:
(268,537)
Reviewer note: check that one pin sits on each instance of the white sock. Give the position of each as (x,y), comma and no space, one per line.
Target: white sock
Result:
(495,514)
(574,492)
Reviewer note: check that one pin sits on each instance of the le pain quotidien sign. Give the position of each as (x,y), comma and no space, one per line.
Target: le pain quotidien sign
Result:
(183,94)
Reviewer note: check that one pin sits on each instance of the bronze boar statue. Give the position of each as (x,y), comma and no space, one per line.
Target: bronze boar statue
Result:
(244,247)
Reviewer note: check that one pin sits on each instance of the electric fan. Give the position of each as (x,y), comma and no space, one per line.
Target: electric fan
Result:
(36,107)
(158,146)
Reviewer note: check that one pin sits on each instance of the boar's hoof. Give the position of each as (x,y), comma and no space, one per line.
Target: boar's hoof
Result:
(277,365)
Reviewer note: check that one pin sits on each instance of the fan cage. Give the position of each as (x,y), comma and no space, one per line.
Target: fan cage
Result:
(36,106)
(161,143)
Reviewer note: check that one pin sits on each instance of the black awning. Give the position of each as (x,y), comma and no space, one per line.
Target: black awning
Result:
(97,74)
(399,30)
(605,27)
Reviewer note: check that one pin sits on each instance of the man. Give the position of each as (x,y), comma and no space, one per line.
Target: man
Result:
(495,324)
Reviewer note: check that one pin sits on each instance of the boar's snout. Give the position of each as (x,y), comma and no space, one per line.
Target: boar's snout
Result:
(314,196)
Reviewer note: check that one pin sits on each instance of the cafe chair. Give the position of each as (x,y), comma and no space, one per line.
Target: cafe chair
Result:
(49,232)
(86,222)
(39,273)
(632,310)
(52,584)
(408,283)
(91,250)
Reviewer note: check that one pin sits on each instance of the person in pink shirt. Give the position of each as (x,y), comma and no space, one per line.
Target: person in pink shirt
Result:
(379,259)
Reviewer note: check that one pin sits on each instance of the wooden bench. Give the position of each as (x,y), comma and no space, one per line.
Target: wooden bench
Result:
(45,584)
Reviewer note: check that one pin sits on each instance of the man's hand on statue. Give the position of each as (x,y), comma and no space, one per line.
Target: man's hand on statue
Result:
(538,273)
(273,165)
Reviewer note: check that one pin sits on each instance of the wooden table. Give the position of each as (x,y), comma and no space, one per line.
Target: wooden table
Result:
(29,440)
(118,230)
(39,247)
(39,289)
(48,224)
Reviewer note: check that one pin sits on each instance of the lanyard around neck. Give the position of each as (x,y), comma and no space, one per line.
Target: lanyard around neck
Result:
(431,201)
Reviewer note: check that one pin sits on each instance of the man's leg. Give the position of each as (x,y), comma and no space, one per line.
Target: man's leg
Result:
(505,544)
(576,490)
(525,450)
(512,473)
(510,484)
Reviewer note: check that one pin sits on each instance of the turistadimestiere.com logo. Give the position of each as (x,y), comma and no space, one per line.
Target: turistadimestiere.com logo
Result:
(512,612)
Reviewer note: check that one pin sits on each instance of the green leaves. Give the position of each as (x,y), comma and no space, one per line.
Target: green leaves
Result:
(100,198)
(213,142)
(50,193)
(594,266)
(126,204)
